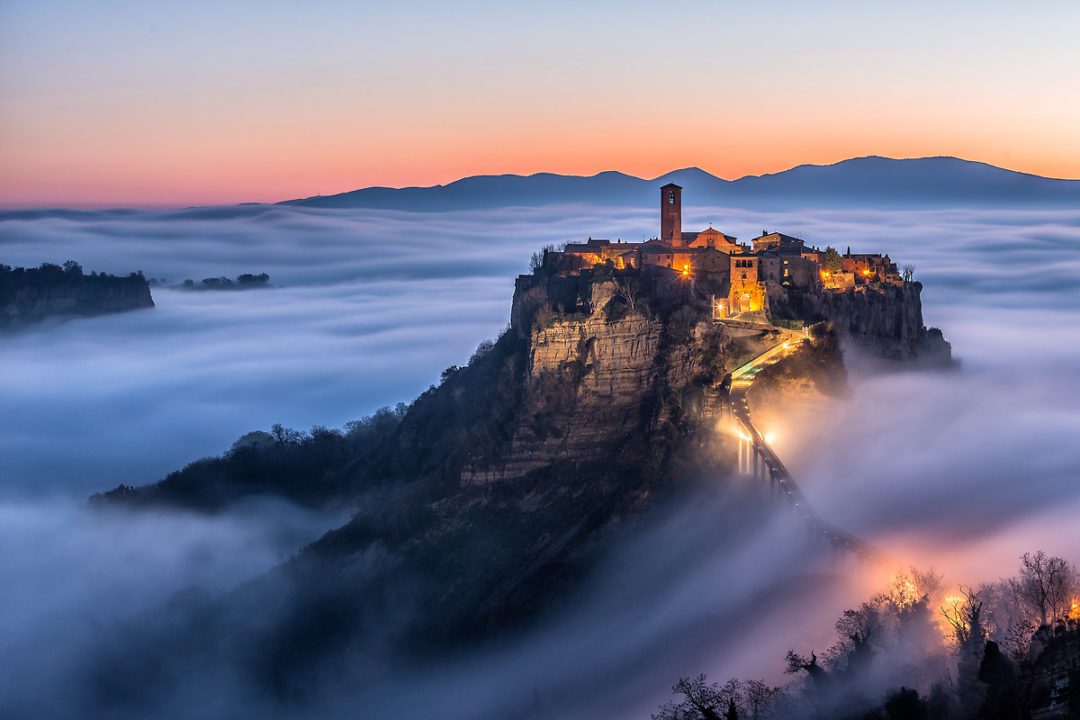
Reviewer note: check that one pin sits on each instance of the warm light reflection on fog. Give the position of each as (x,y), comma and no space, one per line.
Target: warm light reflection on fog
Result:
(959,472)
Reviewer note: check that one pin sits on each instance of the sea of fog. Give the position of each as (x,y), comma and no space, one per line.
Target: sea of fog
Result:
(962,470)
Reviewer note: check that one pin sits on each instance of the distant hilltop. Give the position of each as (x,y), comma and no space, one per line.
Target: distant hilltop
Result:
(858,182)
(29,295)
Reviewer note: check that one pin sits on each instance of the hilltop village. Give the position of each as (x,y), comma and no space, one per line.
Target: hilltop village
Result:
(743,278)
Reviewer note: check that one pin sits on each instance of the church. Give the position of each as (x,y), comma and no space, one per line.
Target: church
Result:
(743,276)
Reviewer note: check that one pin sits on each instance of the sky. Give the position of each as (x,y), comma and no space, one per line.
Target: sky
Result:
(168,104)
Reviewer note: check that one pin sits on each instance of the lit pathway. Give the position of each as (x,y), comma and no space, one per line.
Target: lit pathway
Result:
(756,457)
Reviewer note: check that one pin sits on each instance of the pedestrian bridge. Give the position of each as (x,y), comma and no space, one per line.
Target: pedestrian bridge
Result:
(758,460)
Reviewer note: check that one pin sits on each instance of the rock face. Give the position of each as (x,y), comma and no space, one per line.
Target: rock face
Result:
(481,503)
(885,319)
(604,379)
(888,318)
(32,295)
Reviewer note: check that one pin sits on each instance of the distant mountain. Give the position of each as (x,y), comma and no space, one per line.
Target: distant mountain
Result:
(864,182)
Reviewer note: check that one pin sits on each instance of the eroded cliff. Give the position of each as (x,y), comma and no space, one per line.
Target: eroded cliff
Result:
(483,502)
(32,294)
(604,377)
(884,319)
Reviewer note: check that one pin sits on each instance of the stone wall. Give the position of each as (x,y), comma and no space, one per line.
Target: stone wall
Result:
(23,305)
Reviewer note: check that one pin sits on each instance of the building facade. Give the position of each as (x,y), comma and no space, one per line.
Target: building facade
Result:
(741,270)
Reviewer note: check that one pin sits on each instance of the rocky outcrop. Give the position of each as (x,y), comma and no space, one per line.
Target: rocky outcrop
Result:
(885,319)
(32,295)
(611,378)
(483,501)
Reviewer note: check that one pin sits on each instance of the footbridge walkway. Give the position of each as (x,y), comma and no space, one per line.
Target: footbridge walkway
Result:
(758,459)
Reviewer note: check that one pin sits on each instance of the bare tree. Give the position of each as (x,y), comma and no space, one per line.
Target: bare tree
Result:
(909,588)
(626,289)
(964,613)
(536,262)
(701,701)
(760,698)
(859,631)
(1046,585)
(1010,620)
(909,272)
(797,662)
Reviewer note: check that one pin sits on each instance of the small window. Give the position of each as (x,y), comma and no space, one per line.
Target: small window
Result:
(671,198)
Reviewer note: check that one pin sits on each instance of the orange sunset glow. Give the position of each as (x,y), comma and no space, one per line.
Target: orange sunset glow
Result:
(131,105)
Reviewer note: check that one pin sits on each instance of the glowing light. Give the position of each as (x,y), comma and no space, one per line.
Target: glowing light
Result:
(686,270)
(1074,609)
(770,437)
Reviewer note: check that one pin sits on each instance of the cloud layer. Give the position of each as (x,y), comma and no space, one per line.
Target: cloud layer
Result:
(962,470)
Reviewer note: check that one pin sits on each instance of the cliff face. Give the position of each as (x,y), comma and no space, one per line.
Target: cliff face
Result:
(33,295)
(501,486)
(884,319)
(607,376)
(481,503)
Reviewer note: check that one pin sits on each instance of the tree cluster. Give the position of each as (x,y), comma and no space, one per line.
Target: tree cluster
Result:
(996,651)
(51,275)
(245,281)
(830,260)
(309,468)
(702,700)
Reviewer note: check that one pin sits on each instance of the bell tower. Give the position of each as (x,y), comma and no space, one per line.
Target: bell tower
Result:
(671,214)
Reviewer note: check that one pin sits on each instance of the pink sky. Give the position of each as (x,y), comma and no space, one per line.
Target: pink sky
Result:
(125,104)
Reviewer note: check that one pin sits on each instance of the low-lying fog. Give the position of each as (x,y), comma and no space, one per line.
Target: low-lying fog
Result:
(963,471)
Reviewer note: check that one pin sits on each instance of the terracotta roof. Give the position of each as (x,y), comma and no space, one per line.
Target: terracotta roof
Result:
(781,236)
(655,247)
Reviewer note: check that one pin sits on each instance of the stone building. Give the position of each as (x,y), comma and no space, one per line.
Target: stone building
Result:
(671,214)
(837,280)
(657,252)
(714,239)
(736,273)
(597,252)
(778,243)
(747,293)
(794,270)
(869,268)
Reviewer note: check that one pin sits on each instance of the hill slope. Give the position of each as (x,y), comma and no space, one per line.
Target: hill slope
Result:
(867,181)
